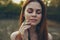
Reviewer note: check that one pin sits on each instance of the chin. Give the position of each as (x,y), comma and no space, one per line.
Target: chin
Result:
(33,24)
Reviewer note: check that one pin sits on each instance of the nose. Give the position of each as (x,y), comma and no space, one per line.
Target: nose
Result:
(34,14)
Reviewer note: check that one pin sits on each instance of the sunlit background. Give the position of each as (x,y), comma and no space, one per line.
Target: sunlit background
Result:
(18,1)
(9,17)
(47,2)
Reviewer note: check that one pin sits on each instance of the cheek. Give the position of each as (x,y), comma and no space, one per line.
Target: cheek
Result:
(27,16)
(39,17)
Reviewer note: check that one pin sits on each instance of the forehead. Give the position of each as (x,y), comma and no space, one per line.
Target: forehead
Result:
(34,5)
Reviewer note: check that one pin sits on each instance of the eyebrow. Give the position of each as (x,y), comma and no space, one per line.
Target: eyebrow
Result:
(32,8)
(39,9)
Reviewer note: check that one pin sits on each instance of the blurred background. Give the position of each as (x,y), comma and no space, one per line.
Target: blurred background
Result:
(9,17)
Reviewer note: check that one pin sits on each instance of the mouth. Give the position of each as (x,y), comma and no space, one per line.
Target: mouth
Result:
(33,20)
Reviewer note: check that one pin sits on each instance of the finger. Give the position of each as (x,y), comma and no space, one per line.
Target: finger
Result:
(27,27)
(27,22)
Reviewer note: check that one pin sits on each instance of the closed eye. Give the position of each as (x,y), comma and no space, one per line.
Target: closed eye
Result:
(30,10)
(38,11)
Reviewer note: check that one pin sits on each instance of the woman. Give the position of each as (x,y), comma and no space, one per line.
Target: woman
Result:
(32,22)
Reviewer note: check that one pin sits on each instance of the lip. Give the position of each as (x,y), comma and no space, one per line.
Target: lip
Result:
(33,20)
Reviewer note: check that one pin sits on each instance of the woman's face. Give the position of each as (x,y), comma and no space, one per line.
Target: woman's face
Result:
(33,13)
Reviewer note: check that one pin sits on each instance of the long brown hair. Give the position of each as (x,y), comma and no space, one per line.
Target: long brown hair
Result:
(41,28)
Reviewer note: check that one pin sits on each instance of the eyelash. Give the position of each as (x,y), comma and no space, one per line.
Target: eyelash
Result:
(39,12)
(31,11)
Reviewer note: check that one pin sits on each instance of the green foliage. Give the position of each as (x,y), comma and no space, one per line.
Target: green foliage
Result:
(53,13)
(10,11)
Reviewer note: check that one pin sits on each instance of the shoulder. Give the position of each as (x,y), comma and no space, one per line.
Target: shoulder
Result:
(49,36)
(13,35)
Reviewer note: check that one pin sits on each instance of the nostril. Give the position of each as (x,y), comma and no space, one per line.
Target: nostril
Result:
(33,16)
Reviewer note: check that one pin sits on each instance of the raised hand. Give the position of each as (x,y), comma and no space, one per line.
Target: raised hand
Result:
(25,25)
